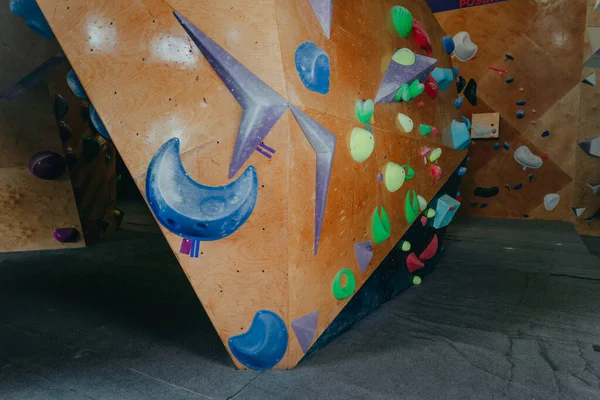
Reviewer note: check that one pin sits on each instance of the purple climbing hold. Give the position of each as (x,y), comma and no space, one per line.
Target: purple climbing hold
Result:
(546,133)
(324,11)
(364,254)
(484,205)
(64,132)
(66,235)
(323,144)
(47,165)
(380,177)
(397,75)
(305,329)
(518,187)
(263,107)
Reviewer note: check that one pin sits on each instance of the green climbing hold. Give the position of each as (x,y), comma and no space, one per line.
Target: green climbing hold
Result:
(406,246)
(417,280)
(404,57)
(403,93)
(435,155)
(416,88)
(425,129)
(362,144)
(342,293)
(403,21)
(411,206)
(365,110)
(90,148)
(381,226)
(430,213)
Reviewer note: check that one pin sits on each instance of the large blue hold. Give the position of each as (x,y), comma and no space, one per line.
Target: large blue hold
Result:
(75,85)
(449,44)
(461,138)
(192,210)
(34,19)
(264,344)
(312,64)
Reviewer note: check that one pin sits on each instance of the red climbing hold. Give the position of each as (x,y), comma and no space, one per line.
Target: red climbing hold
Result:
(413,263)
(431,87)
(421,37)
(434,131)
(420,104)
(436,172)
(430,250)
(545,155)
(423,220)
(459,199)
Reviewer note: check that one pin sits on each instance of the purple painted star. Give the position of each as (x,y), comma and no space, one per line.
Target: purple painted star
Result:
(262,105)
(323,143)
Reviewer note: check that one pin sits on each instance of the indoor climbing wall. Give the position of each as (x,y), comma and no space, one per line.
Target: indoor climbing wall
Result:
(287,149)
(38,206)
(525,161)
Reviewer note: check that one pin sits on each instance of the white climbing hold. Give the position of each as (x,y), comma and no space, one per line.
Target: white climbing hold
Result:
(527,159)
(422,202)
(464,49)
(578,211)
(590,79)
(551,200)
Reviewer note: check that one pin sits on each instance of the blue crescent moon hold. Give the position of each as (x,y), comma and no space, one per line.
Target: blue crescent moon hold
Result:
(264,344)
(190,209)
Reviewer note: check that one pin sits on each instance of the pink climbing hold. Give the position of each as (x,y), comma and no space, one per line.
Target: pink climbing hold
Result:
(423,220)
(434,131)
(436,172)
(424,151)
(522,90)
(420,104)
(430,250)
(413,263)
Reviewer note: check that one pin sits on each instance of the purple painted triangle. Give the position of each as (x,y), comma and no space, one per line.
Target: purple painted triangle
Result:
(397,75)
(305,329)
(323,143)
(364,253)
(324,11)
(262,105)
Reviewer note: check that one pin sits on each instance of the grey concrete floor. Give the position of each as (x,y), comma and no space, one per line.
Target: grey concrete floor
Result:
(511,312)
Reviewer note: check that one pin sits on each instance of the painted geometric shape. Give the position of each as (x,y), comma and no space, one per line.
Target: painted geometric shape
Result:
(593,34)
(364,254)
(324,11)
(590,79)
(34,19)
(461,138)
(305,329)
(313,66)
(446,208)
(398,74)
(431,249)
(323,144)
(190,209)
(98,124)
(263,107)
(551,201)
(75,85)
(413,263)
(464,49)
(597,5)
(527,159)
(591,147)
(443,76)
(264,344)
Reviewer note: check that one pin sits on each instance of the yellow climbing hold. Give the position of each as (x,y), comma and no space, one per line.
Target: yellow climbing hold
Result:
(395,175)
(422,202)
(430,213)
(406,246)
(362,144)
(404,57)
(435,154)
(406,124)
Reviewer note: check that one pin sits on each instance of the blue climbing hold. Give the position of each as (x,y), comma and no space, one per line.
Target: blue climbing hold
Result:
(520,114)
(265,343)
(508,57)
(75,85)
(98,124)
(467,122)
(484,205)
(461,171)
(459,102)
(467,160)
(518,187)
(444,77)
(455,70)
(506,146)
(521,102)
(546,133)
(313,66)
(449,44)
(510,80)
(496,145)
(34,19)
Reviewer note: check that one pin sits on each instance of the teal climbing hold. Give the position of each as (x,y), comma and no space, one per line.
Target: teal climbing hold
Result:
(461,138)
(444,77)
(445,210)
